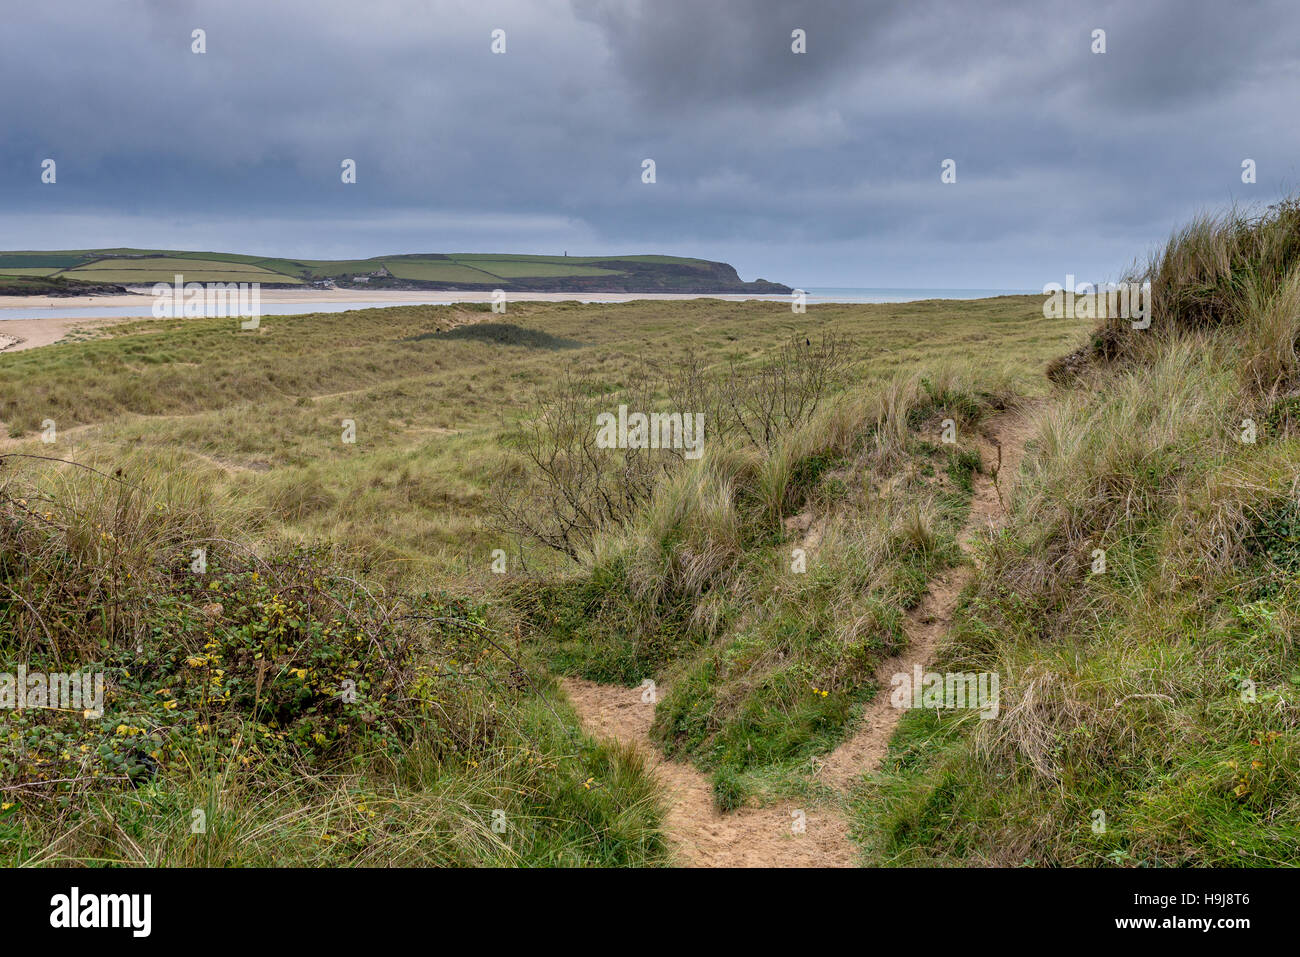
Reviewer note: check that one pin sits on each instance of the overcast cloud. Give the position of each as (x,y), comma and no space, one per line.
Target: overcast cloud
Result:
(818,169)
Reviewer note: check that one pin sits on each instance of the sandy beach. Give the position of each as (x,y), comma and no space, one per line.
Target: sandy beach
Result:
(18,335)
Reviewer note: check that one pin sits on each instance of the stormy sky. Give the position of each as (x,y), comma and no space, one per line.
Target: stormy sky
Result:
(815,169)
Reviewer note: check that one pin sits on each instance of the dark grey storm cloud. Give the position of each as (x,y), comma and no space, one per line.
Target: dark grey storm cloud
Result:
(820,168)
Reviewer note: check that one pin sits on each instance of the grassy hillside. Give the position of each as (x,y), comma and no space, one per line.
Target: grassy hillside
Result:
(1137,602)
(1149,705)
(430,400)
(202,433)
(165,268)
(433,271)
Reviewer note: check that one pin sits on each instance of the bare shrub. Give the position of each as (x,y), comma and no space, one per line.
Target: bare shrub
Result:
(766,402)
(570,488)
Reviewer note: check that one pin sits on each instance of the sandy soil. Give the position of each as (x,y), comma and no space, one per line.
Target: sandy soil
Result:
(763,837)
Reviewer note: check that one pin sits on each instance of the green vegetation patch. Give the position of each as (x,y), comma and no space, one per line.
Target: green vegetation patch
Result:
(165,269)
(9,261)
(501,333)
(298,718)
(439,271)
(513,269)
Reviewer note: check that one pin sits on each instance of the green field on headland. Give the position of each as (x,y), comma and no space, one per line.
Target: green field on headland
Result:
(470,271)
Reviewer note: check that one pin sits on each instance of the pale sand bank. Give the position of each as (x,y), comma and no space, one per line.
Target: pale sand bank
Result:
(20,334)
